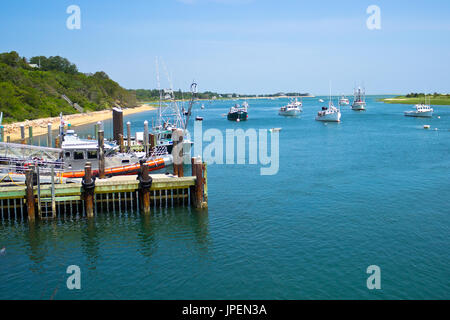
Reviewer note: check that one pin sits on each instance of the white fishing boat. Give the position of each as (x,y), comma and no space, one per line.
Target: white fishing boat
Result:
(343,101)
(292,109)
(359,100)
(330,113)
(420,110)
(321,101)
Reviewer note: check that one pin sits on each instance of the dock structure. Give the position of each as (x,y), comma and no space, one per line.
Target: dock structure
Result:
(88,197)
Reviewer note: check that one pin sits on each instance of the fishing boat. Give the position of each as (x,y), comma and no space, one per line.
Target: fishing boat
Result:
(330,113)
(198,118)
(171,116)
(238,113)
(76,152)
(321,101)
(420,110)
(359,100)
(292,109)
(343,101)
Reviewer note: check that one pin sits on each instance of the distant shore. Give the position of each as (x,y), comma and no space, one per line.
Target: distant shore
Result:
(40,125)
(440,100)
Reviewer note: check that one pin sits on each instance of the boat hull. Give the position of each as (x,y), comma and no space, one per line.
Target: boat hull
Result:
(289,113)
(359,107)
(235,116)
(425,114)
(155,164)
(330,117)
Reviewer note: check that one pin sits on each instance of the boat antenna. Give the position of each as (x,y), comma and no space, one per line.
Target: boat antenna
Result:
(191,103)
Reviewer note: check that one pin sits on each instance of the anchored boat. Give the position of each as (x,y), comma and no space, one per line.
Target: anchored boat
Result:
(359,100)
(330,113)
(420,110)
(238,113)
(343,101)
(292,109)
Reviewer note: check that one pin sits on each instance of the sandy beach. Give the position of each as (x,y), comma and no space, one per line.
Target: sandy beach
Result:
(40,125)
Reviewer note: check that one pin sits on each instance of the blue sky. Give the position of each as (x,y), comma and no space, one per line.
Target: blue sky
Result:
(245,46)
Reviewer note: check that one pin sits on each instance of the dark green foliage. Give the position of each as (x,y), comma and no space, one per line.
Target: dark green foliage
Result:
(30,93)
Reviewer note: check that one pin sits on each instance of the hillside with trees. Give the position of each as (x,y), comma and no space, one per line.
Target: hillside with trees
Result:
(42,86)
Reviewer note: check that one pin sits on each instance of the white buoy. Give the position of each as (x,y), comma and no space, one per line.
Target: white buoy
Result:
(439,117)
(237,120)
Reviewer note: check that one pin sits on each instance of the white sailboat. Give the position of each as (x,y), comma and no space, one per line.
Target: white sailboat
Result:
(330,113)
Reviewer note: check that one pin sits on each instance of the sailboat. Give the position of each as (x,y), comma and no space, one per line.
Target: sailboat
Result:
(330,113)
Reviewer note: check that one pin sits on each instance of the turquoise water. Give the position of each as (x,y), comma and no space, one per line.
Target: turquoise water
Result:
(372,190)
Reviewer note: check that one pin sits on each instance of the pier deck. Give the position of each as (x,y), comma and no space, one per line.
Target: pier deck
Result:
(115,193)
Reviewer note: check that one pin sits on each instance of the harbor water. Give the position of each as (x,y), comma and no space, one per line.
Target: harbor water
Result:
(371,190)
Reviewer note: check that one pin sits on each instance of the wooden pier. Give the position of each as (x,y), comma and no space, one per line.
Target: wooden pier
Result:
(90,197)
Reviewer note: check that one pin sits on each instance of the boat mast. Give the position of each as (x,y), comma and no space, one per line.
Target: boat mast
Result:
(158,122)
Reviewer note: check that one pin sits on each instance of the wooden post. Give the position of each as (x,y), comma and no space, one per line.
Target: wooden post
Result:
(96,128)
(30,135)
(22,134)
(117,123)
(198,182)
(30,201)
(194,174)
(8,139)
(180,153)
(175,154)
(128,136)
(146,149)
(49,135)
(101,154)
(53,192)
(88,190)
(57,143)
(205,183)
(121,147)
(152,141)
(144,188)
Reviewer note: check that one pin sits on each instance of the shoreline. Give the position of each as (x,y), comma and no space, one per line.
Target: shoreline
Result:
(40,125)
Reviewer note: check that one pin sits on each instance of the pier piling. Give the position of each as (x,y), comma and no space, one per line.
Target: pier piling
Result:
(117,123)
(22,134)
(88,190)
(145,183)
(121,146)
(101,154)
(128,136)
(30,201)
(30,135)
(146,149)
(49,135)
